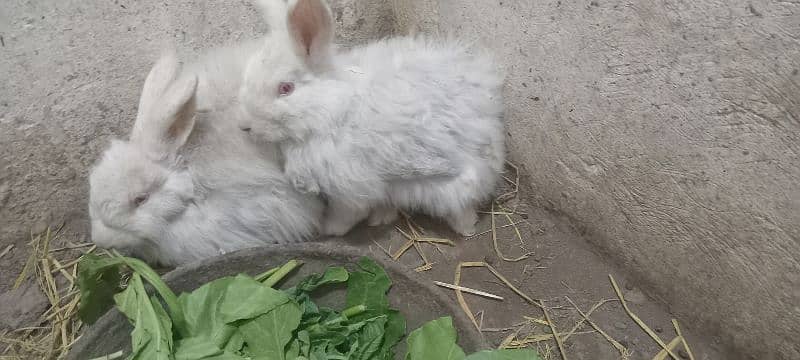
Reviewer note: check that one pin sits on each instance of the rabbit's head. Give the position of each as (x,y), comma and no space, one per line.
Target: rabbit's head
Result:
(281,87)
(139,186)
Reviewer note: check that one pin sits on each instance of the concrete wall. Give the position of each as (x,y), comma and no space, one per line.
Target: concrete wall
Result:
(670,130)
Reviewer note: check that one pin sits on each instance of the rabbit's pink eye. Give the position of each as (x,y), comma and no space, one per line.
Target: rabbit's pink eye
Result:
(139,199)
(285,88)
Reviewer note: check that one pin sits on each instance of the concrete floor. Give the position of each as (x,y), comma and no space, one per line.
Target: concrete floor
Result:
(562,263)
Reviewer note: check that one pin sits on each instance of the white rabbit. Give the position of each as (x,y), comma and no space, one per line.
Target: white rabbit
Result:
(402,123)
(189,185)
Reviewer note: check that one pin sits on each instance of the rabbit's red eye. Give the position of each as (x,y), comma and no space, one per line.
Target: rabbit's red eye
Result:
(139,199)
(285,88)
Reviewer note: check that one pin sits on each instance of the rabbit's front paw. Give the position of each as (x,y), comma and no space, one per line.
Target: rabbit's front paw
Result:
(463,222)
(336,228)
(305,185)
(382,216)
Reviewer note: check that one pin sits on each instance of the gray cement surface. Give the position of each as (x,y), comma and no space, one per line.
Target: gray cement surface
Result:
(658,136)
(670,132)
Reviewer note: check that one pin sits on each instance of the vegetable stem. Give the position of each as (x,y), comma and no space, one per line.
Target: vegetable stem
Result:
(281,272)
(155,280)
(263,276)
(353,311)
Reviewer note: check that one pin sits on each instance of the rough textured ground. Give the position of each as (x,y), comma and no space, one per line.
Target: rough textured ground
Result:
(562,264)
(669,131)
(666,133)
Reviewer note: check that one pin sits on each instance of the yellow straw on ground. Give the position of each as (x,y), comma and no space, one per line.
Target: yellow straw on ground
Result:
(672,344)
(683,339)
(622,350)
(494,241)
(639,321)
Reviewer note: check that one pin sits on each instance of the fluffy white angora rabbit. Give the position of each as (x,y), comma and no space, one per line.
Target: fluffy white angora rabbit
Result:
(190,185)
(403,123)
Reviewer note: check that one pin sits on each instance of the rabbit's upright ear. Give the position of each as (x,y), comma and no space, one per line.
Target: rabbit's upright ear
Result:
(167,107)
(310,26)
(163,73)
(177,120)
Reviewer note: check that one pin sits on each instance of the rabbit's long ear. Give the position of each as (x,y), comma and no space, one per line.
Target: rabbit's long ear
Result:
(163,73)
(167,108)
(310,26)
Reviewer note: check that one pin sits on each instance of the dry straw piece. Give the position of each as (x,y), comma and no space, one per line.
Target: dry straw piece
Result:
(683,339)
(672,344)
(625,353)
(58,327)
(414,238)
(639,321)
(468,290)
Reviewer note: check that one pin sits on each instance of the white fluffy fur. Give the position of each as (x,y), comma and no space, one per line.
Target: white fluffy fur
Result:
(402,123)
(209,190)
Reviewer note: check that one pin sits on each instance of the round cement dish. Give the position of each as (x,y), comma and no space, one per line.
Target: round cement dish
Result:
(416,298)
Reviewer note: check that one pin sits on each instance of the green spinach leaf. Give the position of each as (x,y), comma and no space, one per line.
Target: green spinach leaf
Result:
(434,340)
(368,287)
(268,334)
(151,338)
(247,298)
(99,278)
(201,309)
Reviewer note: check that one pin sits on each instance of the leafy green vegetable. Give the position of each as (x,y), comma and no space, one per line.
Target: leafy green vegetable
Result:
(434,340)
(235,344)
(279,274)
(202,318)
(198,348)
(266,274)
(244,318)
(152,334)
(332,275)
(99,279)
(369,340)
(248,298)
(369,286)
(437,340)
(268,334)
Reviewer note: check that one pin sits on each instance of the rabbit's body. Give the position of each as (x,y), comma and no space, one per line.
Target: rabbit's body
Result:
(418,137)
(187,187)
(402,123)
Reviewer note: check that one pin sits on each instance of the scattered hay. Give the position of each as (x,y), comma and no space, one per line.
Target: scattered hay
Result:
(469,290)
(539,333)
(639,321)
(683,339)
(624,352)
(672,344)
(6,250)
(494,239)
(415,236)
(113,356)
(58,328)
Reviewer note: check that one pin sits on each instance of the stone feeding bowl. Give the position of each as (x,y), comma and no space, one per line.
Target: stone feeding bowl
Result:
(416,298)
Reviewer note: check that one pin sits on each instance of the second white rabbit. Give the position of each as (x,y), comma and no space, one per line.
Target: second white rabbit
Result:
(403,123)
